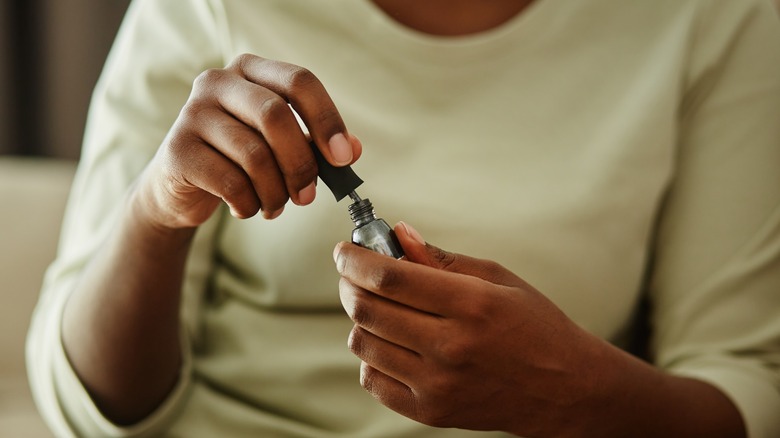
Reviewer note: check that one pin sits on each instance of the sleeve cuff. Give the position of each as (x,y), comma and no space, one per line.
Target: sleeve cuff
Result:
(753,389)
(81,410)
(62,399)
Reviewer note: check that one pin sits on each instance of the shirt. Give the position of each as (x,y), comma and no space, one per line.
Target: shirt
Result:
(603,150)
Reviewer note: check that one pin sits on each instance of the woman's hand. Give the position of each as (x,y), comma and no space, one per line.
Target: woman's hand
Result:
(453,341)
(237,141)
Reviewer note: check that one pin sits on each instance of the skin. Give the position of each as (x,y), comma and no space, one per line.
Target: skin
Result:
(236,141)
(452,17)
(453,341)
(492,354)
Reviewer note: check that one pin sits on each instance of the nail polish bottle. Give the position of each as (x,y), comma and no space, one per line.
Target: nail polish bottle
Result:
(372,232)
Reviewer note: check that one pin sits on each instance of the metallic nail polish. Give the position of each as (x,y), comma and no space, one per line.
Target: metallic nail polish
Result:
(372,232)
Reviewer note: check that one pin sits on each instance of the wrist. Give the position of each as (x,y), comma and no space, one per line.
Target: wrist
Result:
(635,398)
(600,388)
(614,407)
(148,206)
(147,221)
(582,402)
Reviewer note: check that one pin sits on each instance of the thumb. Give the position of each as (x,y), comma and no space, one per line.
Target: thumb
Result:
(418,251)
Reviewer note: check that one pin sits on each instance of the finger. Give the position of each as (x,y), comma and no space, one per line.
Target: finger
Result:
(203,167)
(308,97)
(245,147)
(418,251)
(402,325)
(419,286)
(268,114)
(393,360)
(390,392)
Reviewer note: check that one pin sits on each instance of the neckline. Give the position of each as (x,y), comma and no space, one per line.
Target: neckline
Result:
(377,20)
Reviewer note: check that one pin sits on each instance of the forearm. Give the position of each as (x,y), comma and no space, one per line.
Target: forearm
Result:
(121,325)
(639,400)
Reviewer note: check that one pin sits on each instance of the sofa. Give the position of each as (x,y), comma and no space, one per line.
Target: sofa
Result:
(33,192)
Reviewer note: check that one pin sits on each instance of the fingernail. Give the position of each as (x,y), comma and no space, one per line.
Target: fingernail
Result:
(274,214)
(307,194)
(340,149)
(336,252)
(413,233)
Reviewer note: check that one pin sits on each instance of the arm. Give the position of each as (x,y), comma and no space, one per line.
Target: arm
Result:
(120,327)
(473,346)
(236,141)
(147,78)
(121,266)
(714,286)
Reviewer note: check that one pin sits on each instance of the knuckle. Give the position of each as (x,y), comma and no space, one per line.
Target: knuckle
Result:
(243,60)
(273,110)
(455,352)
(368,378)
(361,311)
(480,312)
(174,144)
(192,111)
(478,305)
(443,258)
(232,186)
(178,147)
(328,115)
(384,277)
(484,305)
(492,267)
(301,78)
(208,78)
(255,157)
(305,170)
(495,270)
(356,341)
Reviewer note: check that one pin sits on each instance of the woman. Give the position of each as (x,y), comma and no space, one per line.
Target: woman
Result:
(594,152)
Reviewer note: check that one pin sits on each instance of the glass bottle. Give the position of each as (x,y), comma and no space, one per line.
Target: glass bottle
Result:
(372,232)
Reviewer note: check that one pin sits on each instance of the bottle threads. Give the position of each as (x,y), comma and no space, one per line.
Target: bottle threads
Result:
(362,212)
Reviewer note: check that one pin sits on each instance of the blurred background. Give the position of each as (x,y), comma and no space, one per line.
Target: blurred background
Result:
(51,52)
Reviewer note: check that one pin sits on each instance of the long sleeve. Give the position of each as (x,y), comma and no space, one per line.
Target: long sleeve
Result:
(716,280)
(159,50)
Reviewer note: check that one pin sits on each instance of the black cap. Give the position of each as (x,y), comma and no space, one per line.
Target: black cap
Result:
(340,180)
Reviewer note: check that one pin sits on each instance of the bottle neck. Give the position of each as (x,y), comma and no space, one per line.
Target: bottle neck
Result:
(362,212)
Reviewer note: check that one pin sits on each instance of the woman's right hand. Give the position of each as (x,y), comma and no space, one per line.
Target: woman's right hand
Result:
(237,141)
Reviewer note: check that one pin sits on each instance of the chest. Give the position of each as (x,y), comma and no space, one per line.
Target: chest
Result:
(540,160)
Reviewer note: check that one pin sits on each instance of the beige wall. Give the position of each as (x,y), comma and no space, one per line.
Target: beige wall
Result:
(77,39)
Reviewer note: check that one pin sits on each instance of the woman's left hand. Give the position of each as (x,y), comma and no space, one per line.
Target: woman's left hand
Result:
(454,341)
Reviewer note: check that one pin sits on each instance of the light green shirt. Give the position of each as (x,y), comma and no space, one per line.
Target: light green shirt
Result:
(600,149)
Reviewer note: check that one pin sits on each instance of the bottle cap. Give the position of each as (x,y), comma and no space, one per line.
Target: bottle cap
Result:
(340,180)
